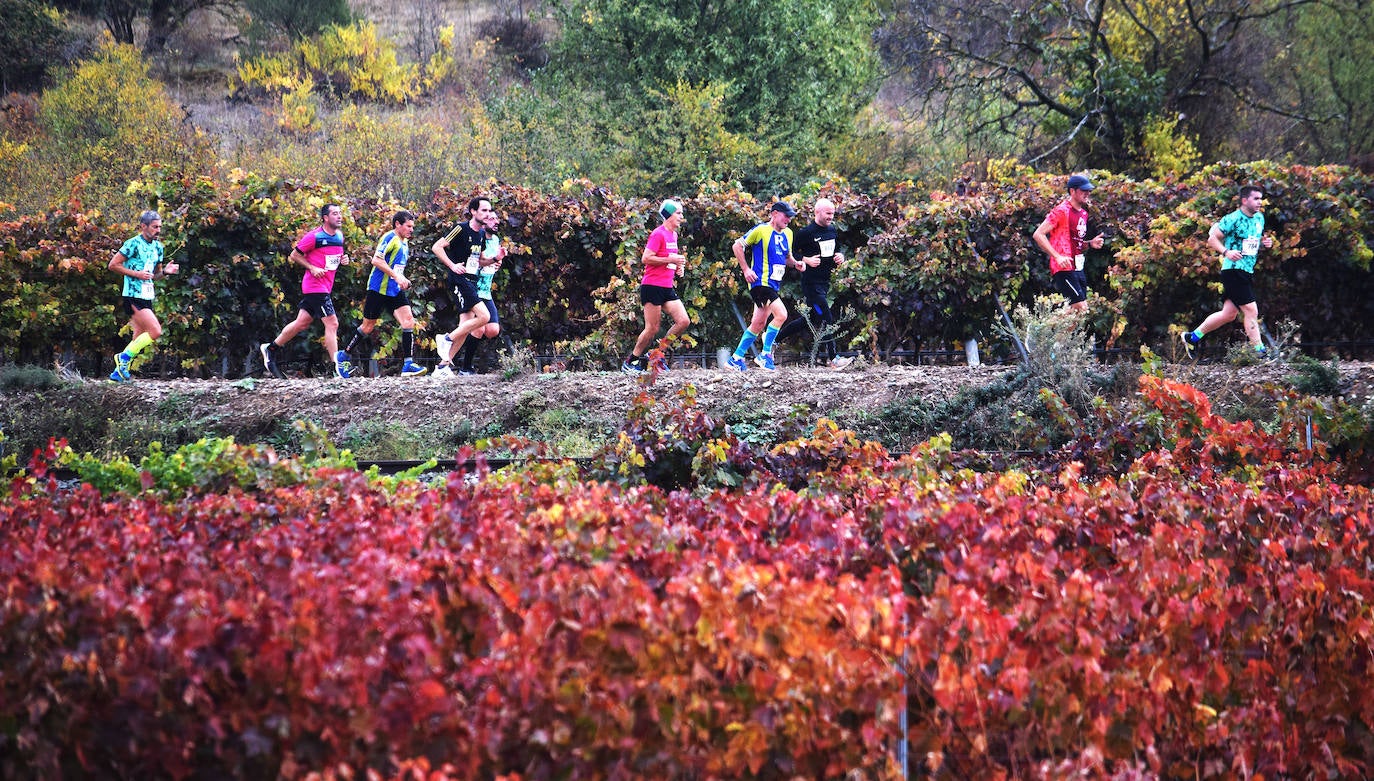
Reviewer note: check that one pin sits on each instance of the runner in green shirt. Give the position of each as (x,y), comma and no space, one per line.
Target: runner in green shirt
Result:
(140,260)
(1238,237)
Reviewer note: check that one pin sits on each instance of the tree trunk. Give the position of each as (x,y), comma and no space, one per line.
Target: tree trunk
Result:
(160,26)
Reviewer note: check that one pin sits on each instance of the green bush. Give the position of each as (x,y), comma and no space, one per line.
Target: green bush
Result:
(31,39)
(107,117)
(16,377)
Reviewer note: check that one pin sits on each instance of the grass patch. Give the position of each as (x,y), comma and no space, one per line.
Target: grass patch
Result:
(14,377)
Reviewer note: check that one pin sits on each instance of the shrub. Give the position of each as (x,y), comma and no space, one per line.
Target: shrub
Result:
(346,61)
(16,377)
(1204,609)
(31,39)
(107,118)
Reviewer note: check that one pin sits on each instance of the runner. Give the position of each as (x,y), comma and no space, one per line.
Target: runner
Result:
(320,252)
(662,263)
(386,292)
(1238,237)
(491,248)
(469,238)
(1063,235)
(140,260)
(770,248)
(816,248)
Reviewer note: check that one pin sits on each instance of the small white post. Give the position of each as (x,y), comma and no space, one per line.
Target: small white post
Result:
(971,352)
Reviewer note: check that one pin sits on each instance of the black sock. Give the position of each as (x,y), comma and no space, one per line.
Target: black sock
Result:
(358,336)
(408,343)
(469,352)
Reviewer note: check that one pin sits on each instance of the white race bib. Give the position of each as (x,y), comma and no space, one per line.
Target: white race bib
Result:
(146,291)
(472,265)
(331,262)
(827,247)
(1077,262)
(1249,247)
(778,271)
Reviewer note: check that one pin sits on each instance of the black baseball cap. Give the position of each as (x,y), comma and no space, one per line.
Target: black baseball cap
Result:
(785,208)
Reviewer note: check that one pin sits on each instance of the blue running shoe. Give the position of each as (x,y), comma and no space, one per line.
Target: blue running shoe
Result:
(765,361)
(737,363)
(1190,342)
(412,369)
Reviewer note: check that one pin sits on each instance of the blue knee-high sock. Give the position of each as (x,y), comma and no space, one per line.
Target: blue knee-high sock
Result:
(745,342)
(769,336)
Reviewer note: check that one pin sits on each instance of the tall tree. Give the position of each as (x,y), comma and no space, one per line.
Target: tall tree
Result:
(118,15)
(31,35)
(298,18)
(794,71)
(1079,82)
(164,17)
(1329,65)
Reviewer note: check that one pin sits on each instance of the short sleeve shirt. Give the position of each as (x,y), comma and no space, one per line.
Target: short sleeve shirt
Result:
(770,251)
(465,249)
(486,275)
(1242,233)
(1068,229)
(396,252)
(814,240)
(321,249)
(662,242)
(140,255)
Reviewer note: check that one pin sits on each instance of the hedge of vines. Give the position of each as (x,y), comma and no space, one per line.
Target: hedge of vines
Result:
(928,268)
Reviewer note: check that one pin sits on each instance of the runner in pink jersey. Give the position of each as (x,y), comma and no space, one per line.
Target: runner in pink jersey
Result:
(320,252)
(663,262)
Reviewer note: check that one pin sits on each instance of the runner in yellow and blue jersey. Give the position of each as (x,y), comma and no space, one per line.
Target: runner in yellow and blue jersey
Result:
(386,291)
(140,260)
(769,246)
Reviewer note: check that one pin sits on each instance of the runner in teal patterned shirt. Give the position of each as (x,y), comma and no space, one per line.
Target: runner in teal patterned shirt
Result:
(1238,237)
(140,260)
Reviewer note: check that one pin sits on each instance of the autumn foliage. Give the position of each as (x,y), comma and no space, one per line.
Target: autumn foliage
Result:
(927,268)
(1204,613)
